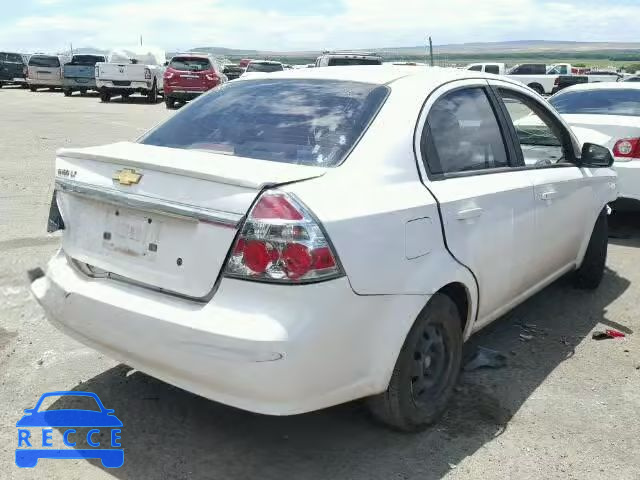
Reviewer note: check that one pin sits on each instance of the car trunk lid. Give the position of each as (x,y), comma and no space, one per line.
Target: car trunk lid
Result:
(157,216)
(609,128)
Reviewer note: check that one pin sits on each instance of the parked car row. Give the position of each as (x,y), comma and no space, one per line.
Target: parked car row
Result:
(546,79)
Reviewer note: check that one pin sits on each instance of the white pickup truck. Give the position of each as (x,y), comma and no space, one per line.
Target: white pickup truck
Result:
(130,71)
(542,78)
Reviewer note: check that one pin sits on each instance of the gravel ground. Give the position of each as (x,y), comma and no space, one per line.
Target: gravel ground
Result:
(565,406)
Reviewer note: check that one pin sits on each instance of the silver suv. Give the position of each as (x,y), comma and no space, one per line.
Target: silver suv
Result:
(334,59)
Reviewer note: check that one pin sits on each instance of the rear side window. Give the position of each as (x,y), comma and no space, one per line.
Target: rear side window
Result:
(463,134)
(475,68)
(14,57)
(599,102)
(190,64)
(265,67)
(339,62)
(492,69)
(87,60)
(44,61)
(308,122)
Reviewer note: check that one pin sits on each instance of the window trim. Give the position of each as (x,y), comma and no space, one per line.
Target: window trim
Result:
(567,144)
(427,146)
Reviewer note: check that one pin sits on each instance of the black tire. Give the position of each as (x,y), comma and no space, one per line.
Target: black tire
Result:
(408,404)
(536,87)
(105,97)
(24,85)
(33,89)
(1,85)
(83,91)
(589,275)
(152,96)
(170,103)
(67,92)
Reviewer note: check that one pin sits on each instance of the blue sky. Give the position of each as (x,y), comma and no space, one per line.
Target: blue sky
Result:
(50,25)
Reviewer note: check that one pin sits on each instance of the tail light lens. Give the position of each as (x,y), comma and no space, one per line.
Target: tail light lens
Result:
(627,149)
(147,74)
(281,241)
(213,78)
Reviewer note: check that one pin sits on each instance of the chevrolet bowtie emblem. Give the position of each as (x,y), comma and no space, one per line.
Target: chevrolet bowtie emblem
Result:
(127,176)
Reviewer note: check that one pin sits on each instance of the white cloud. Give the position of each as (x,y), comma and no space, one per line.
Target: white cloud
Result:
(361,23)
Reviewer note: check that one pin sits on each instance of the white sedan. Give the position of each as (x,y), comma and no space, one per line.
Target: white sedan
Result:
(608,114)
(289,243)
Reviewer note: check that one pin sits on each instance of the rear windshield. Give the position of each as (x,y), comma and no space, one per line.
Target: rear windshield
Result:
(265,67)
(338,62)
(307,122)
(89,60)
(190,64)
(44,61)
(598,102)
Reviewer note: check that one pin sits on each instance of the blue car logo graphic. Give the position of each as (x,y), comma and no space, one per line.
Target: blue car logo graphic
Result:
(29,439)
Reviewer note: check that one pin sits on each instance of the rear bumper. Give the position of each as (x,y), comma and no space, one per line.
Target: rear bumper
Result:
(183,94)
(270,349)
(134,86)
(56,82)
(77,84)
(13,80)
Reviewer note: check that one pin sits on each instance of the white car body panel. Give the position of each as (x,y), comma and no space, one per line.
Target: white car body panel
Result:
(400,238)
(607,130)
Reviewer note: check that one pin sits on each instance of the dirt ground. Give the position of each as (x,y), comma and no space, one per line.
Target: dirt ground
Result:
(565,406)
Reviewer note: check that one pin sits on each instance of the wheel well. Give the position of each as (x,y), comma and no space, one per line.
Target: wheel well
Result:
(459,294)
(535,86)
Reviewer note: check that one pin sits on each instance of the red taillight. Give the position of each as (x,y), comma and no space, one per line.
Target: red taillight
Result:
(281,241)
(147,74)
(213,78)
(627,148)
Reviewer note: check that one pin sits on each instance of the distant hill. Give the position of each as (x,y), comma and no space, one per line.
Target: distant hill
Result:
(509,51)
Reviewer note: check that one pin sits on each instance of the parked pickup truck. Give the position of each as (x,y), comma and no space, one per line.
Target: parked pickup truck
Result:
(131,71)
(80,74)
(544,79)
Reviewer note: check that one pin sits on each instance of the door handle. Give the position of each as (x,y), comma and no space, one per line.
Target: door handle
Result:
(551,195)
(469,213)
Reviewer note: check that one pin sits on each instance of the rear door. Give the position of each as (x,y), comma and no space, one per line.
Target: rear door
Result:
(14,66)
(486,205)
(44,68)
(564,198)
(191,73)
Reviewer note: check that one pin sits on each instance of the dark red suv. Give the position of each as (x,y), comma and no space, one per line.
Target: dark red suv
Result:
(188,76)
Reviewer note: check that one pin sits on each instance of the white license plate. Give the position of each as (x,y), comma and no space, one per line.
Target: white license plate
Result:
(131,233)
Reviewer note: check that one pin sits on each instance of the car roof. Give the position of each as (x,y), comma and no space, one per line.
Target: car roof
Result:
(191,55)
(602,86)
(266,61)
(380,74)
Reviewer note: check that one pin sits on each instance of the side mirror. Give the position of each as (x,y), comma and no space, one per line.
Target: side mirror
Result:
(595,156)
